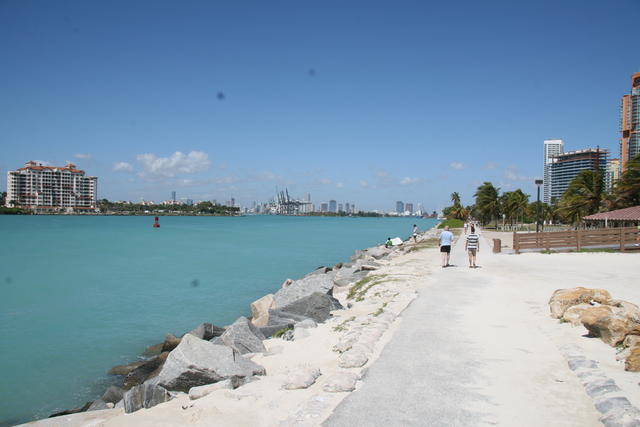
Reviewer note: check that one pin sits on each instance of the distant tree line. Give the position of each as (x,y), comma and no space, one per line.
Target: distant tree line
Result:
(585,195)
(202,208)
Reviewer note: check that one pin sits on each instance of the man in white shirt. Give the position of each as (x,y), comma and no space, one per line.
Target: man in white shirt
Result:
(446,239)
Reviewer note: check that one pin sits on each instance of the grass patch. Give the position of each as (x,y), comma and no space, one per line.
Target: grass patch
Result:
(380,310)
(358,289)
(452,223)
(343,326)
(598,250)
(279,333)
(424,244)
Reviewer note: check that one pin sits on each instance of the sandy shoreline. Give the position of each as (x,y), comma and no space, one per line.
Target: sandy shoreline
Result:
(521,351)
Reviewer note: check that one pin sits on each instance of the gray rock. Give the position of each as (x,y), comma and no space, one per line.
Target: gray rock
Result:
(243,337)
(580,362)
(322,283)
(319,270)
(113,394)
(144,396)
(207,331)
(378,252)
(306,324)
(621,417)
(217,341)
(145,371)
(606,404)
(98,405)
(348,275)
(341,382)
(353,358)
(196,362)
(599,387)
(279,320)
(316,306)
(301,377)
(83,408)
(204,390)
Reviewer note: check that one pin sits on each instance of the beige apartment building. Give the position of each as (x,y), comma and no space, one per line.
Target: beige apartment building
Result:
(51,188)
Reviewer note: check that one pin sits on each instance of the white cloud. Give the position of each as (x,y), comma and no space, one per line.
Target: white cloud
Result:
(363,183)
(177,163)
(513,175)
(339,185)
(490,165)
(325,181)
(82,156)
(122,167)
(408,180)
(456,165)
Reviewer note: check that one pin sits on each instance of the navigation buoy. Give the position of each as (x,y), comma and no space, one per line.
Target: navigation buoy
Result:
(156,224)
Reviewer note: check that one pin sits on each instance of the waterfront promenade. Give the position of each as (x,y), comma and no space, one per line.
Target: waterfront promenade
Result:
(477,347)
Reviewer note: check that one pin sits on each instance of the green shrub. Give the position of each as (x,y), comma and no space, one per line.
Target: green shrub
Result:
(452,223)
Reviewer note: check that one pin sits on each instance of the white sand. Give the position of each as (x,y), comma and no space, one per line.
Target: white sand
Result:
(527,378)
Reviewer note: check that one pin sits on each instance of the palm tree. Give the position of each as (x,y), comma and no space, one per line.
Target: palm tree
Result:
(455,198)
(487,202)
(627,191)
(583,197)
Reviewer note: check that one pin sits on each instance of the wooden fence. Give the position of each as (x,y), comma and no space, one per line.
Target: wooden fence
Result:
(578,239)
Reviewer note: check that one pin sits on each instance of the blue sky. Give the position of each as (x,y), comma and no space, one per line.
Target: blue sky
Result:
(362,102)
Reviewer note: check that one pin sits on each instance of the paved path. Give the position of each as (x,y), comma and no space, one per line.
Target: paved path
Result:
(438,369)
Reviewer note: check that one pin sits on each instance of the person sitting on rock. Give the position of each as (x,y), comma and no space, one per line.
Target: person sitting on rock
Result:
(389,243)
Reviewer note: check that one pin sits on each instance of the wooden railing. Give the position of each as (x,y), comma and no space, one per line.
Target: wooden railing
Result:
(578,239)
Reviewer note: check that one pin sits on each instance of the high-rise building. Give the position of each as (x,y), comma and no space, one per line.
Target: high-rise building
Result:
(408,207)
(173,196)
(630,123)
(566,166)
(324,207)
(612,174)
(346,207)
(51,188)
(399,207)
(552,147)
(340,207)
(333,206)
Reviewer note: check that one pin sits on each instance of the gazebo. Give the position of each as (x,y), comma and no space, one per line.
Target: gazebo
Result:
(627,217)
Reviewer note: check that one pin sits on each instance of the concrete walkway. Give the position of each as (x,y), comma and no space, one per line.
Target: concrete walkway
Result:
(464,355)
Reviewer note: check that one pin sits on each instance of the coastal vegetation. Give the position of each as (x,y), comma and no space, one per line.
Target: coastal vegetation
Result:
(452,223)
(202,208)
(585,195)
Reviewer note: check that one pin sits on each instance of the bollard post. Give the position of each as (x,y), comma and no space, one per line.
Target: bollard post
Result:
(497,246)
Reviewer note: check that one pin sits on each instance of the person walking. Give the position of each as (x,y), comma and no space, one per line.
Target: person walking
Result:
(415,233)
(472,246)
(446,238)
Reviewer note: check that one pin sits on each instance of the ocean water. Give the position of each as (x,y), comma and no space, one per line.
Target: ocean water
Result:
(82,294)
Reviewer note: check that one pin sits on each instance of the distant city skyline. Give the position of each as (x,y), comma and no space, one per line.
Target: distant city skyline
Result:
(399,106)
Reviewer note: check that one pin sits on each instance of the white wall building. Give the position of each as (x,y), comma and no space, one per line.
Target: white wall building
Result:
(552,147)
(51,188)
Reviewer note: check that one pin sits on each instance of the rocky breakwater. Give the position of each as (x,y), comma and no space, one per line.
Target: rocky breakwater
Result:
(616,323)
(210,359)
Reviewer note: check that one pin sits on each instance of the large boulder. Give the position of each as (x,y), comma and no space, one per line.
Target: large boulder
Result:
(196,362)
(347,275)
(206,331)
(243,337)
(562,299)
(317,306)
(147,370)
(279,320)
(573,313)
(378,252)
(113,394)
(607,323)
(144,396)
(260,310)
(632,363)
(322,283)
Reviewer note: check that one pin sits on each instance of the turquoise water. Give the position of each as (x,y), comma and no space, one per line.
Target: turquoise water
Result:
(81,294)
